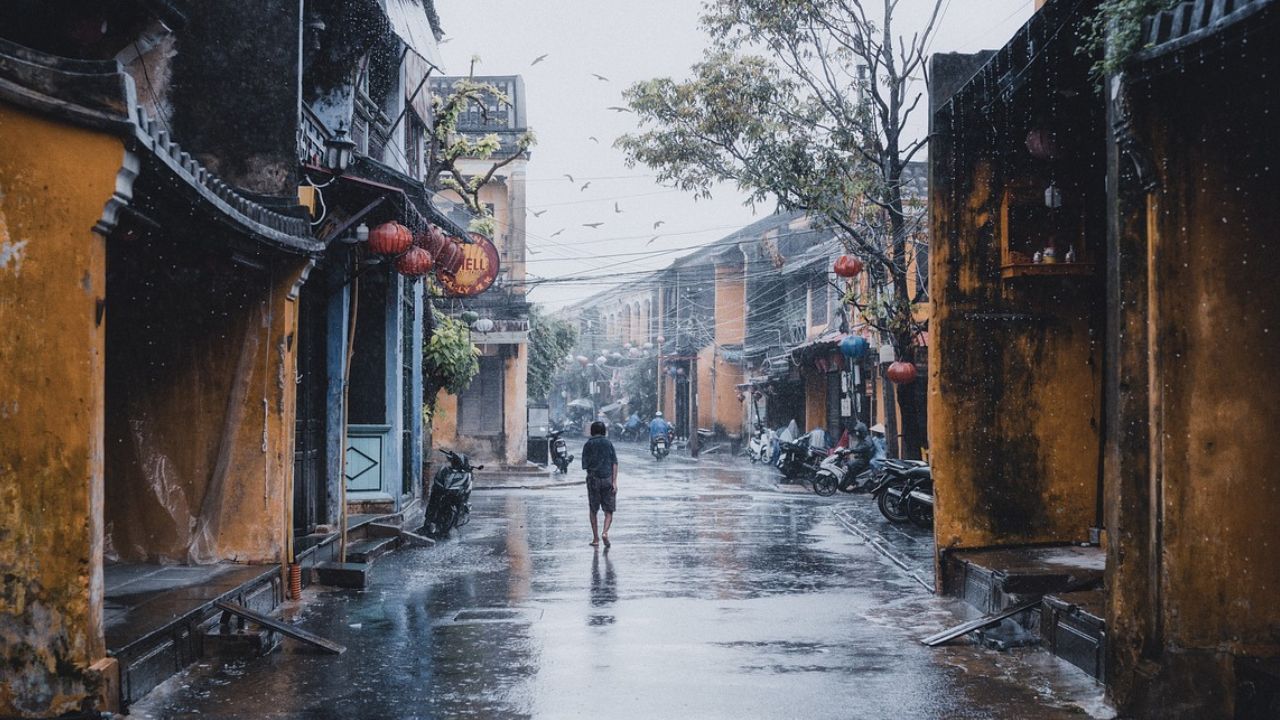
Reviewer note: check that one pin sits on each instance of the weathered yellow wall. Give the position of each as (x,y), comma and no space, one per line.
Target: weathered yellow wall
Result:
(731,305)
(1214,262)
(1014,387)
(54,181)
(706,389)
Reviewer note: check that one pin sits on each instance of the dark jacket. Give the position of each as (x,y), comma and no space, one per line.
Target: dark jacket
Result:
(598,458)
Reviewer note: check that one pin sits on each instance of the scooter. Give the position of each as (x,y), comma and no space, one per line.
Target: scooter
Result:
(838,471)
(919,502)
(560,456)
(758,446)
(660,447)
(450,503)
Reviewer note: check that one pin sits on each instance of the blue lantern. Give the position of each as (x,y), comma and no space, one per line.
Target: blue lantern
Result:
(853,347)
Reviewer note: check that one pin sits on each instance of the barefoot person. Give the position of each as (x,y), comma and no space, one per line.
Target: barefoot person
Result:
(601,464)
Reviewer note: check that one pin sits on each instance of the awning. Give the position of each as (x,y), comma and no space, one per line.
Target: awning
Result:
(411,22)
(582,404)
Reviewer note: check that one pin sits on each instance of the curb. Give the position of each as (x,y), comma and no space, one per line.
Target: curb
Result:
(542,486)
(880,546)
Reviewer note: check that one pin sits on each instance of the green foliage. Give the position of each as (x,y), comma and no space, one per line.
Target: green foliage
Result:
(1113,34)
(550,340)
(804,102)
(449,360)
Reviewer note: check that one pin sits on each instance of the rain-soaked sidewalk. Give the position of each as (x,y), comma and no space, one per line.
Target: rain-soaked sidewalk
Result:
(720,598)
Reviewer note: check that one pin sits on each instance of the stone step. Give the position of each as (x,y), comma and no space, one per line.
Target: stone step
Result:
(1073,626)
(347,575)
(371,548)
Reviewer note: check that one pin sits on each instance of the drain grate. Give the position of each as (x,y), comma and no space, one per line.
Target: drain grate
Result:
(497,615)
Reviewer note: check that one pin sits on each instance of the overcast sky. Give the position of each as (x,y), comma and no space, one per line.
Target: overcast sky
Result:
(627,42)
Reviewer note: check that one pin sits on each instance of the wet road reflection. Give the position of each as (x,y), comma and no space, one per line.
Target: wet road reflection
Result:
(720,598)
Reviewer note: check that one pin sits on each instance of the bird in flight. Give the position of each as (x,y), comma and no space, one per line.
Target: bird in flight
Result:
(445,40)
(569,176)
(659,224)
(557,232)
(655,237)
(617,208)
(538,213)
(531,251)
(585,185)
(601,78)
(538,59)
(593,226)
(594,139)
(615,108)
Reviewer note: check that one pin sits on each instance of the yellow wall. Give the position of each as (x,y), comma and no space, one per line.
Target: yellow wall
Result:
(815,400)
(54,182)
(1014,407)
(516,388)
(731,305)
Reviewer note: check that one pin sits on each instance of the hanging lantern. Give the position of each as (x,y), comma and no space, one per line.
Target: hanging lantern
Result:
(390,238)
(449,258)
(853,347)
(648,346)
(661,339)
(483,325)
(583,361)
(634,352)
(469,317)
(680,372)
(901,373)
(415,262)
(848,266)
(1042,144)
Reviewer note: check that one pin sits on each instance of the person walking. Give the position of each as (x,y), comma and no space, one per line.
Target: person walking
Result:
(601,463)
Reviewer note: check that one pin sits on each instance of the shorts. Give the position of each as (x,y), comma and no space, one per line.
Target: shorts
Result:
(600,495)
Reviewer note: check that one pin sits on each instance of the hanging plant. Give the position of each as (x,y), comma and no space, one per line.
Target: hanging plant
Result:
(449,360)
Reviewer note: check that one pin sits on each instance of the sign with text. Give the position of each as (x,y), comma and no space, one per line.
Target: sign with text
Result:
(479,269)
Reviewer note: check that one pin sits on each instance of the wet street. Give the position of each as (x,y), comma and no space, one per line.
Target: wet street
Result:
(723,596)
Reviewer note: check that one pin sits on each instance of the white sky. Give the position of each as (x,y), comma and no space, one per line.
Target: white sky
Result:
(627,42)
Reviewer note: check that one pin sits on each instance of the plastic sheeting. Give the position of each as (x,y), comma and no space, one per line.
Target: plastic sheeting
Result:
(188,364)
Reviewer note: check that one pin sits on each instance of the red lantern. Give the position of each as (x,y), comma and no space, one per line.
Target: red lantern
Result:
(449,258)
(901,373)
(847,266)
(1042,144)
(390,238)
(416,262)
(430,239)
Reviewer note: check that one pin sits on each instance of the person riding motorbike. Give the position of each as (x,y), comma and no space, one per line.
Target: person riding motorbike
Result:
(658,427)
(881,448)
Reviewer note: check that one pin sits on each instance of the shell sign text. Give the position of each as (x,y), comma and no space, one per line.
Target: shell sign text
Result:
(478,271)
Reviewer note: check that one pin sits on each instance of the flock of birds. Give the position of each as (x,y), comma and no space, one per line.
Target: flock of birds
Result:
(617,208)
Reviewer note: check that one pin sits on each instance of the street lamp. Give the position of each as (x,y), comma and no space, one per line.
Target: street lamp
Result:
(338,151)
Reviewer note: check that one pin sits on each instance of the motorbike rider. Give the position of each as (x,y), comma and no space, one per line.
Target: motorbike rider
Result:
(881,448)
(633,424)
(658,427)
(863,449)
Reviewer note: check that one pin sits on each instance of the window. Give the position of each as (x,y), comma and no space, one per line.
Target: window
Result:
(819,299)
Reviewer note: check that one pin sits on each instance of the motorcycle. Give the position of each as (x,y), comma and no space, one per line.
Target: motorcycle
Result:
(798,460)
(660,446)
(897,479)
(632,433)
(919,502)
(758,446)
(560,456)
(450,503)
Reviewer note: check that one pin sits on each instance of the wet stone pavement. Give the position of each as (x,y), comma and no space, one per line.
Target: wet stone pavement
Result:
(723,596)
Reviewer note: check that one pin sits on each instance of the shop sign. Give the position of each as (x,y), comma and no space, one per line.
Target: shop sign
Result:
(478,270)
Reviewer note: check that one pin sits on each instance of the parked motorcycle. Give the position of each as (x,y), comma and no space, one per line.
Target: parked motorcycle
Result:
(660,447)
(798,460)
(560,456)
(758,446)
(919,502)
(897,479)
(450,503)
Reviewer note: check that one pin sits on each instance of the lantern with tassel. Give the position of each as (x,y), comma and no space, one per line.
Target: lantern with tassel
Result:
(415,262)
(390,238)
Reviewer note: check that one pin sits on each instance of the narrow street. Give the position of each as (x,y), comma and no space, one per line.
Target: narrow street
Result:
(723,596)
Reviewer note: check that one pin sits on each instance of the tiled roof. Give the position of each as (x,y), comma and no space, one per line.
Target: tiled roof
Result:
(1195,20)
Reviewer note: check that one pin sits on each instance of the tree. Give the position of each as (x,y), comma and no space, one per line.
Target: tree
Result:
(550,340)
(805,102)
(641,386)
(446,147)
